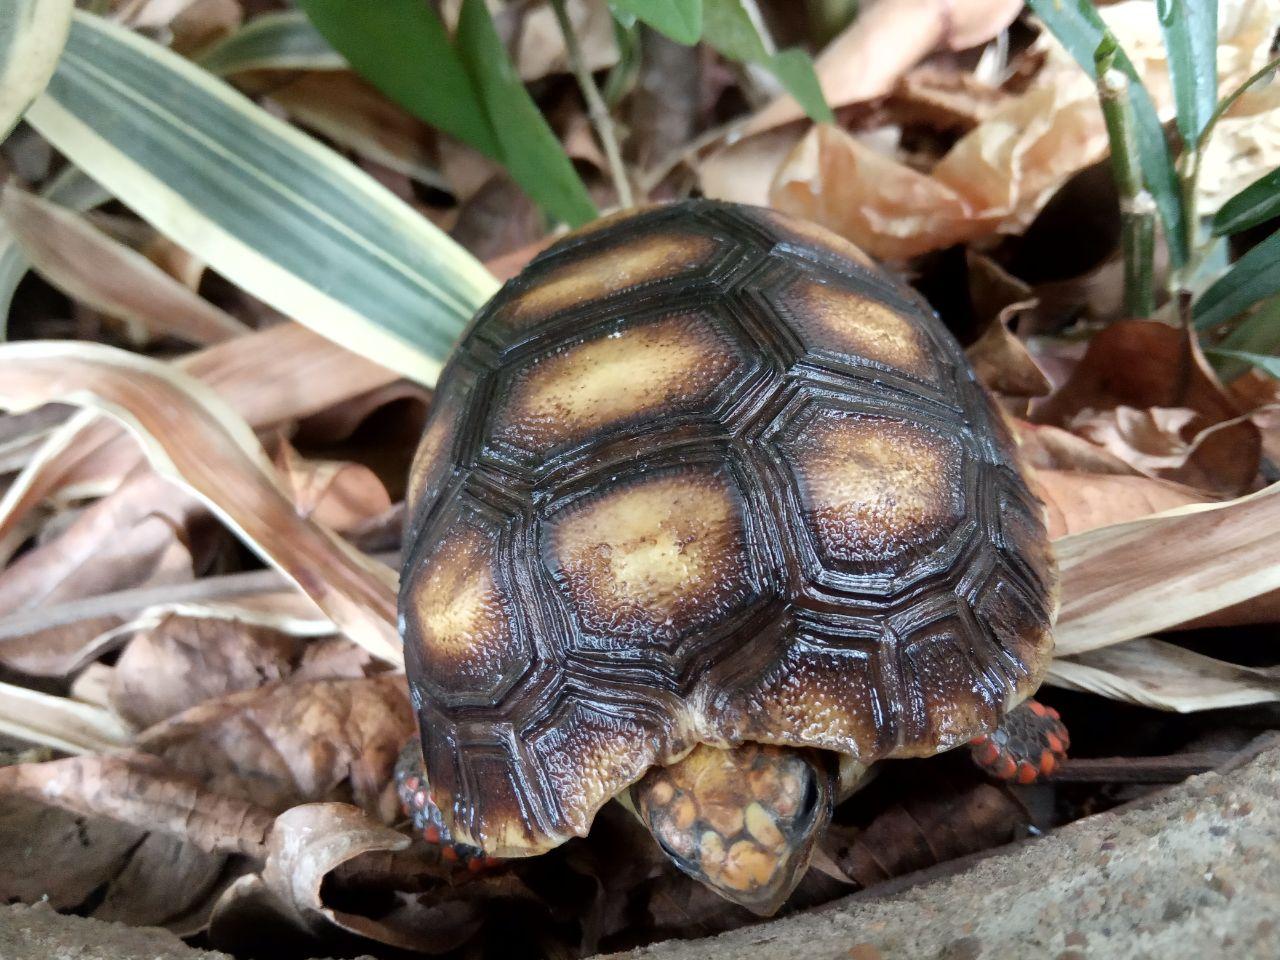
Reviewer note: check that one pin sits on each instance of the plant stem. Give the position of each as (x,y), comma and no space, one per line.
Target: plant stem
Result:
(596,108)
(1137,207)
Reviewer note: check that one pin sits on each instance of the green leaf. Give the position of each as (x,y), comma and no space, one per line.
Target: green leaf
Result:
(529,148)
(466,87)
(1078,27)
(274,41)
(729,27)
(1255,204)
(402,48)
(1252,279)
(794,70)
(681,20)
(268,207)
(622,78)
(1191,39)
(32,33)
(1268,365)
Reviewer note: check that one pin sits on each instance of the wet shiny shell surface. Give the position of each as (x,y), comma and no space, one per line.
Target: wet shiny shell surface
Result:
(702,474)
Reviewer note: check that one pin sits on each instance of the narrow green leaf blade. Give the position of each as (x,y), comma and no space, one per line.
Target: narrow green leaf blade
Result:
(266,206)
(1268,365)
(1080,30)
(1255,204)
(32,33)
(1252,279)
(529,149)
(1191,39)
(681,20)
(274,41)
(794,70)
(402,48)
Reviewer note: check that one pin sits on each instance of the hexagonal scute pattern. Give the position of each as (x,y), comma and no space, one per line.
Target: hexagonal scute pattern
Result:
(701,474)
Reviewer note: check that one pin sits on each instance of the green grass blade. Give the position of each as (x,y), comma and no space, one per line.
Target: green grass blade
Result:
(274,41)
(530,150)
(1191,39)
(681,20)
(1251,279)
(402,48)
(271,209)
(729,27)
(1255,204)
(1268,365)
(1080,30)
(32,33)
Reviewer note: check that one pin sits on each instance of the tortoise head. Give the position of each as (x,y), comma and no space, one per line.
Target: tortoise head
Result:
(742,820)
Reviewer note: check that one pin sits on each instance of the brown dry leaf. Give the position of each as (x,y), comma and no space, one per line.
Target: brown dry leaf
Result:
(288,743)
(1259,394)
(58,651)
(743,170)
(90,454)
(1000,359)
(337,494)
(141,791)
(886,40)
(317,882)
(1076,501)
(142,534)
(59,722)
(195,438)
(1133,579)
(1045,447)
(346,109)
(90,267)
(943,814)
(1152,673)
(945,98)
(182,661)
(104,869)
(1145,364)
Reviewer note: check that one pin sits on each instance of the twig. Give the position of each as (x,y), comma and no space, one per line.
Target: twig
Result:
(1137,207)
(596,107)
(1171,769)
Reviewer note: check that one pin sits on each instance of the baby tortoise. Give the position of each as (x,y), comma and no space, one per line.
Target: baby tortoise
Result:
(710,515)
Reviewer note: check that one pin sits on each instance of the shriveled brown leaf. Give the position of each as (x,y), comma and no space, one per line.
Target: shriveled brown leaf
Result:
(1153,673)
(104,868)
(1045,447)
(1000,359)
(1154,369)
(888,38)
(91,454)
(183,661)
(57,651)
(1133,579)
(945,98)
(288,743)
(337,494)
(1076,501)
(143,792)
(1259,394)
(196,439)
(89,266)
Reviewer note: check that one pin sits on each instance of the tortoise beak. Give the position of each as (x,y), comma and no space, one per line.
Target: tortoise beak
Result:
(742,821)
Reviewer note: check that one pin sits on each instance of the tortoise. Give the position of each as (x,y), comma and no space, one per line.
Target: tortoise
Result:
(710,514)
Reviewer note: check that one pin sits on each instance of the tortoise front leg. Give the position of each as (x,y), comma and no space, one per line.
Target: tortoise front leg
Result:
(414,791)
(1029,744)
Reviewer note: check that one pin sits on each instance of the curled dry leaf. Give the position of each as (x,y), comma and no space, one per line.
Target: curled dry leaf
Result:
(197,440)
(1045,447)
(102,868)
(288,743)
(59,722)
(89,266)
(339,495)
(1133,579)
(999,358)
(886,40)
(141,791)
(1076,501)
(1144,365)
(1152,673)
(90,454)
(182,661)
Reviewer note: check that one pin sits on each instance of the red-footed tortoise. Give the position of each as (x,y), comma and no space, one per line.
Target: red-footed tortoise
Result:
(710,515)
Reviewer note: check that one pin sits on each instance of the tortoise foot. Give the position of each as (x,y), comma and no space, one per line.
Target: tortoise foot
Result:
(415,798)
(1027,746)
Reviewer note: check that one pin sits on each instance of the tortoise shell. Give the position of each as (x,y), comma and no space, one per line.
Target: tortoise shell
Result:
(702,473)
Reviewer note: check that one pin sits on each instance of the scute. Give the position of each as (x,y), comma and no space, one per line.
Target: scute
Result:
(701,475)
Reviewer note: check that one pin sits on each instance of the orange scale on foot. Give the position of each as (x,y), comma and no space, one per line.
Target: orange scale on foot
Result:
(1026,773)
(1007,768)
(1047,763)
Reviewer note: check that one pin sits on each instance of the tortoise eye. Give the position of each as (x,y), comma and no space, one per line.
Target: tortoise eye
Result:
(808,802)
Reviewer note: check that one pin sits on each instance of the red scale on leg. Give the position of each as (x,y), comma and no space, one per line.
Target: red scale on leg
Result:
(1028,745)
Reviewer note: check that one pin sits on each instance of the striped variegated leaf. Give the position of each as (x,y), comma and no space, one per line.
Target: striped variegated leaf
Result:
(32,33)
